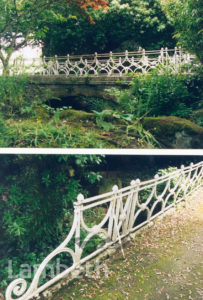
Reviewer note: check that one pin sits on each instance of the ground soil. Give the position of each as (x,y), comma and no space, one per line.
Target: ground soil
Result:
(162,262)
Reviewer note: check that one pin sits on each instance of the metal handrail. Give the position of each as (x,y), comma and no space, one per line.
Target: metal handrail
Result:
(123,208)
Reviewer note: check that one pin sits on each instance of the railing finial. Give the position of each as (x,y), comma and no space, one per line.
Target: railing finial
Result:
(135,182)
(122,218)
(80,198)
(115,188)
(94,64)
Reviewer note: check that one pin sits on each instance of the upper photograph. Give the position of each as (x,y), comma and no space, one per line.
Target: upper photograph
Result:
(96,74)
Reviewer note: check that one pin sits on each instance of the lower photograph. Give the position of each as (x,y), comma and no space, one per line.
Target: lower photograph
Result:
(101,227)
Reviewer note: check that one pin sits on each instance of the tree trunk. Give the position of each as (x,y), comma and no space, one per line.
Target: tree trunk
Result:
(6,70)
(5,64)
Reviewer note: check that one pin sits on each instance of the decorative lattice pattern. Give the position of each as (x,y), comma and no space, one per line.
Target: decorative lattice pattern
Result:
(110,64)
(124,211)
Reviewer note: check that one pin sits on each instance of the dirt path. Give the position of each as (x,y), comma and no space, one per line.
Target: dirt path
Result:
(163,262)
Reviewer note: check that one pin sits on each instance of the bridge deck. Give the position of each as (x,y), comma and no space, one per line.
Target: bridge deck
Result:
(88,80)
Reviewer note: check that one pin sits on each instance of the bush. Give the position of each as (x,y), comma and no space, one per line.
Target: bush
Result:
(36,214)
(166,94)
(5,137)
(19,97)
(97,104)
(163,93)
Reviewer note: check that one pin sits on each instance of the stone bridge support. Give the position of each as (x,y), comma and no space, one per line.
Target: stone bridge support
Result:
(62,86)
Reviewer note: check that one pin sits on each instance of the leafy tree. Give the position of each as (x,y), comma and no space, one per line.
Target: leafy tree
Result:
(186,16)
(125,25)
(22,21)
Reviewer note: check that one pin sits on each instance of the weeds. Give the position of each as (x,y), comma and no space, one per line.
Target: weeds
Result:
(49,134)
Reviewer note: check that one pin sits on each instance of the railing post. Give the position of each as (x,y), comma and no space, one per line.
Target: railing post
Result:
(184,185)
(167,58)
(143,54)
(135,185)
(175,59)
(190,172)
(78,210)
(111,218)
(145,62)
(118,203)
(183,182)
(156,177)
(180,53)
(187,179)
(43,65)
(162,55)
(110,63)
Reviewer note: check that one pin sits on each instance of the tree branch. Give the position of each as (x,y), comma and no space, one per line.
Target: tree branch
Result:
(2,58)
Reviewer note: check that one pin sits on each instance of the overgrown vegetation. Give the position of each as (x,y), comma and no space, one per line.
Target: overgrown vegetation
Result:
(187,20)
(25,118)
(163,93)
(19,98)
(36,205)
(124,25)
(27,121)
(37,193)
(36,202)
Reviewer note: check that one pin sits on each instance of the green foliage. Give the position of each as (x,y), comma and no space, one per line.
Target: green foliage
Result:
(144,194)
(26,20)
(36,204)
(166,93)
(186,16)
(5,138)
(100,119)
(175,181)
(18,97)
(125,99)
(166,171)
(162,94)
(19,21)
(144,135)
(48,134)
(125,25)
(92,103)
(106,118)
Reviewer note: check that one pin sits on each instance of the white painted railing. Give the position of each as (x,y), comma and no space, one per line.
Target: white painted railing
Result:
(107,64)
(124,211)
